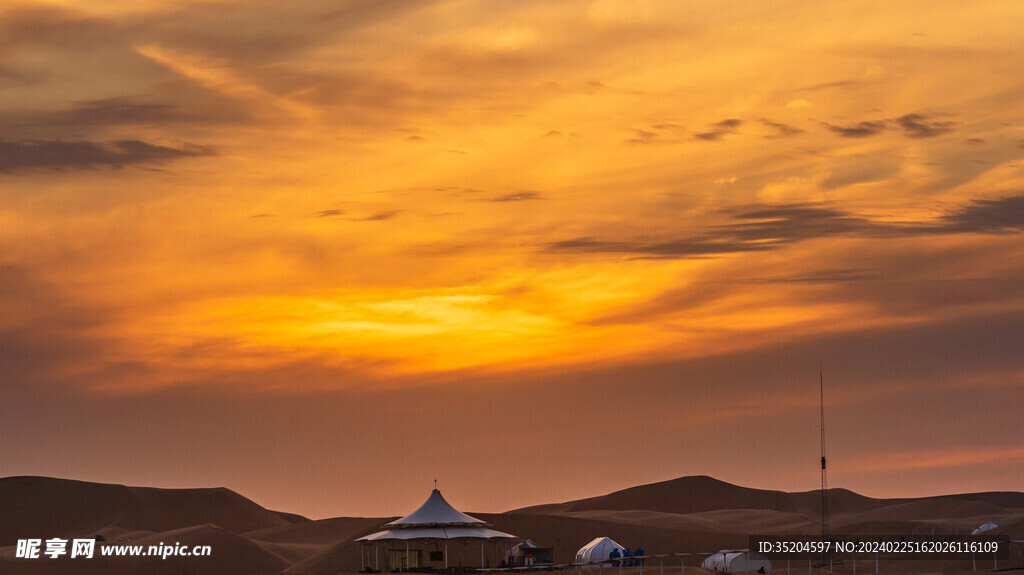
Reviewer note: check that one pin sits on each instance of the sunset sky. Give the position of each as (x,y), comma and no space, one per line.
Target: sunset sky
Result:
(323,252)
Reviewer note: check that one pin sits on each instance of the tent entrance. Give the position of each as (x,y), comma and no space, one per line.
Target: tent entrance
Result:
(397,559)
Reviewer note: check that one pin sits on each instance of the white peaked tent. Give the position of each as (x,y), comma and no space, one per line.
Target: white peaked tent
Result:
(435,521)
(989,526)
(736,561)
(597,550)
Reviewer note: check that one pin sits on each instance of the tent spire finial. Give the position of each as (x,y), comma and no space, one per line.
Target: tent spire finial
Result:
(435,484)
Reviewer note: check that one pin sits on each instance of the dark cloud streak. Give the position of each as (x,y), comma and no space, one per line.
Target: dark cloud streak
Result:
(781,130)
(859,130)
(329,213)
(918,126)
(102,112)
(1004,215)
(719,129)
(832,85)
(517,197)
(915,126)
(380,216)
(664,133)
(761,228)
(59,154)
(825,276)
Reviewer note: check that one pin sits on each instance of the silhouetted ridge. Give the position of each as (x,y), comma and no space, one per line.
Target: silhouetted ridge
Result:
(694,494)
(46,507)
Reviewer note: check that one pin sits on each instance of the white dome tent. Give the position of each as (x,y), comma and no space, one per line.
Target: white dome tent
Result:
(597,551)
(736,561)
(435,521)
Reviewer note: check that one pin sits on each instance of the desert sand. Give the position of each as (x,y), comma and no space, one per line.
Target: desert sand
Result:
(685,515)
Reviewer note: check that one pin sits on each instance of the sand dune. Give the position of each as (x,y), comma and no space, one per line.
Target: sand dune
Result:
(292,552)
(46,507)
(301,542)
(723,520)
(321,531)
(690,514)
(701,493)
(936,509)
(1005,499)
(231,554)
(689,502)
(1012,527)
(337,558)
(689,522)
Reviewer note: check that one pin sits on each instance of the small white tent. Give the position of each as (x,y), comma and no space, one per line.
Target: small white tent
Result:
(529,554)
(737,561)
(517,550)
(986,527)
(597,550)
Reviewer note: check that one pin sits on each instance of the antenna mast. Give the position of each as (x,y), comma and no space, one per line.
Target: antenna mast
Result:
(824,476)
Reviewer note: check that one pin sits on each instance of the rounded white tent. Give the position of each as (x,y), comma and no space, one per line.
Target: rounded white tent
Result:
(737,561)
(597,550)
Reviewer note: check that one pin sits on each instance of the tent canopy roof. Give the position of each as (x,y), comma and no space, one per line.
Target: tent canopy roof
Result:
(436,511)
(413,533)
